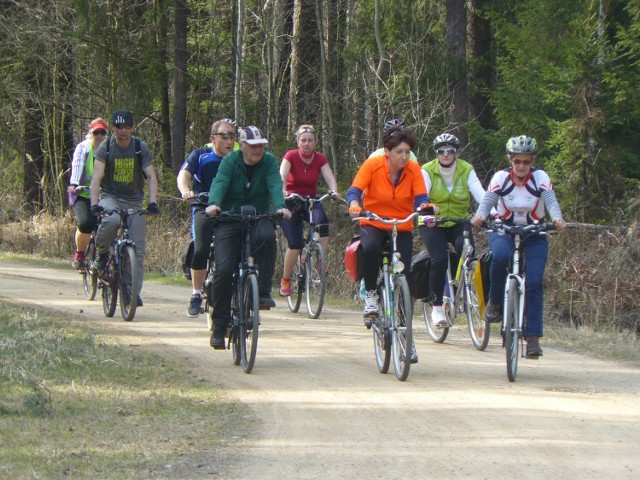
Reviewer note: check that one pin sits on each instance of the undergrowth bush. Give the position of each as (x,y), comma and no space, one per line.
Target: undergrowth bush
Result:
(592,277)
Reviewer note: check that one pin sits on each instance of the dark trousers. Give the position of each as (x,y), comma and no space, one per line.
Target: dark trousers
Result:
(227,255)
(436,240)
(202,232)
(372,241)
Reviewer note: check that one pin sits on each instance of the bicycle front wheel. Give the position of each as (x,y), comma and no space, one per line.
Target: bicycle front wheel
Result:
(510,325)
(297,286)
(249,322)
(382,335)
(479,328)
(89,274)
(315,279)
(128,283)
(109,285)
(402,328)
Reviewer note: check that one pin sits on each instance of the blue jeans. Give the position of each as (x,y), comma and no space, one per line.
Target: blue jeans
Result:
(536,251)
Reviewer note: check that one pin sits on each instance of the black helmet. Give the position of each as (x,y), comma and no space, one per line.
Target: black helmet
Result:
(446,139)
(394,122)
(522,144)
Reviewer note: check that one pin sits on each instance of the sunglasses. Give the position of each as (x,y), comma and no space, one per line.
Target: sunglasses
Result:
(445,151)
(228,120)
(306,130)
(226,135)
(522,162)
(123,125)
(99,132)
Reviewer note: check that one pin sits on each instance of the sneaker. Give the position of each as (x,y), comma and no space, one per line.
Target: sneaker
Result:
(139,303)
(217,342)
(363,291)
(493,313)
(414,354)
(103,259)
(267,302)
(285,287)
(78,260)
(533,348)
(371,303)
(438,318)
(195,305)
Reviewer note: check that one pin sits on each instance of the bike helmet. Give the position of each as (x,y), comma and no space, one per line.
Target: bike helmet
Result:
(446,139)
(522,144)
(394,122)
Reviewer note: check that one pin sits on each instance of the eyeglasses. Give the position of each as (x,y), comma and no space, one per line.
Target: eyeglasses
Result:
(445,151)
(123,125)
(226,135)
(526,163)
(99,132)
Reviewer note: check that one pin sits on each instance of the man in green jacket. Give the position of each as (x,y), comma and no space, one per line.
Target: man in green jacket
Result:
(249,176)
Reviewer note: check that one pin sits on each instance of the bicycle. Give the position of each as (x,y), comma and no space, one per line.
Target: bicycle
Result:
(513,319)
(460,295)
(392,327)
(245,301)
(309,275)
(121,272)
(89,272)
(207,287)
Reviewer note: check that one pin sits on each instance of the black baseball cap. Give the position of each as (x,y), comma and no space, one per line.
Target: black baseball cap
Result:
(122,116)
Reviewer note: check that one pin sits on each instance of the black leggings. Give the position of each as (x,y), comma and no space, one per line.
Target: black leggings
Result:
(87,223)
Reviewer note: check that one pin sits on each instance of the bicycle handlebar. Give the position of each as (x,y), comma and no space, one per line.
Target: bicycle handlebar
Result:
(366,215)
(125,211)
(501,227)
(431,220)
(296,196)
(253,217)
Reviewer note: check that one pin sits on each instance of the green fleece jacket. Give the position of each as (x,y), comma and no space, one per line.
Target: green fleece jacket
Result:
(238,184)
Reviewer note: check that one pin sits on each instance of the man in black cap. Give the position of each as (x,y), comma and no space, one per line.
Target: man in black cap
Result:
(250,176)
(122,162)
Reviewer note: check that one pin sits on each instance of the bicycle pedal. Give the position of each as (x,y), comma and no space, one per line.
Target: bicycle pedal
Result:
(368,323)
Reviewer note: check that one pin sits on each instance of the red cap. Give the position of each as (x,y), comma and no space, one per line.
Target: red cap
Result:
(97,124)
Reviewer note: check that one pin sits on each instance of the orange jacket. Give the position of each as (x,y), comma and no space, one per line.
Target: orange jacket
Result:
(386,199)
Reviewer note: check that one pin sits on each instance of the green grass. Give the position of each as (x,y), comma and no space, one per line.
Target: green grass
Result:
(74,403)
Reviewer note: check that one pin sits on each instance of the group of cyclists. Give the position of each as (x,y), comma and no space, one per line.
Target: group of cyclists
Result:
(236,169)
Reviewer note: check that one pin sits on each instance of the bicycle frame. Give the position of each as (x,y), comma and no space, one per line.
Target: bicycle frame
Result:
(515,291)
(389,331)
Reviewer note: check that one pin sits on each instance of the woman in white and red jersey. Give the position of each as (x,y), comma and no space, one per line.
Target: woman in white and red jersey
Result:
(520,194)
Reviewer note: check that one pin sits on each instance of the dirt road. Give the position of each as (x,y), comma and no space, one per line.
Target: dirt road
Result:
(324,411)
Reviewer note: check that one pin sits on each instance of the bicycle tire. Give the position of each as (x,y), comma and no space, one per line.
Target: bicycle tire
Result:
(438,335)
(109,287)
(402,328)
(89,274)
(128,283)
(315,279)
(297,286)
(479,328)
(511,337)
(382,335)
(249,324)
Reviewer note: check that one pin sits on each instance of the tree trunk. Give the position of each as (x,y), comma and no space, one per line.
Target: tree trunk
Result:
(456,38)
(237,85)
(292,117)
(382,58)
(181,55)
(33,154)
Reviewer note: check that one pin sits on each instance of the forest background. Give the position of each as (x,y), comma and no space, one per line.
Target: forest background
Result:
(564,72)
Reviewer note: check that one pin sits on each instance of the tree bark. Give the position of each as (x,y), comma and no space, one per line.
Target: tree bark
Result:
(181,55)
(292,117)
(456,38)
(237,84)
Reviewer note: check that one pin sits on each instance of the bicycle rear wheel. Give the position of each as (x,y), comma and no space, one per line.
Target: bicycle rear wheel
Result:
(297,286)
(437,334)
(129,278)
(511,334)
(402,328)
(109,285)
(381,335)
(89,274)
(315,279)
(249,322)
(479,328)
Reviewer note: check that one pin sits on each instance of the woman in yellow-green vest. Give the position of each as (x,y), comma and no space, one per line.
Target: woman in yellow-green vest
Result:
(450,182)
